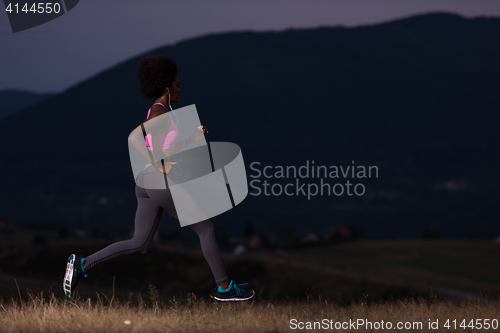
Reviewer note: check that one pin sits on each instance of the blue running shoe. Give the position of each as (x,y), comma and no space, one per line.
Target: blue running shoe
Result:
(233,292)
(74,274)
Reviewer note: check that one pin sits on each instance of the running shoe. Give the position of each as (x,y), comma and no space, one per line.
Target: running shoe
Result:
(233,292)
(74,274)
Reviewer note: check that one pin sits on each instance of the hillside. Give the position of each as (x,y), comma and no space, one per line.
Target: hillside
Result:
(417,97)
(14,100)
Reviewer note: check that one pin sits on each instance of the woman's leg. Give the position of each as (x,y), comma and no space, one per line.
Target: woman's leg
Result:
(147,219)
(204,230)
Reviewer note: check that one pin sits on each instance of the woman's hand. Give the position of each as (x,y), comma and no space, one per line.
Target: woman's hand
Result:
(200,132)
(168,166)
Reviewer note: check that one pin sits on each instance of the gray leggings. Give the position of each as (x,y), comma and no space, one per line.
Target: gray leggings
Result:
(150,206)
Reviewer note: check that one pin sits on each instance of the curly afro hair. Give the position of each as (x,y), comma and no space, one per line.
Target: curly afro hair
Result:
(155,73)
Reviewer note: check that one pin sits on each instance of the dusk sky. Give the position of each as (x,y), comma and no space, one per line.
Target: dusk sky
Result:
(98,34)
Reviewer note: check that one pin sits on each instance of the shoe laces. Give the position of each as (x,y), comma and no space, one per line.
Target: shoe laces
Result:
(239,291)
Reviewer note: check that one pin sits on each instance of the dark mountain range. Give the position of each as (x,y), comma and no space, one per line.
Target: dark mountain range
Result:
(14,100)
(417,97)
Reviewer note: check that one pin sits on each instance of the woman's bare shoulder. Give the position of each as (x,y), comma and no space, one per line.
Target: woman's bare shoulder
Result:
(157,110)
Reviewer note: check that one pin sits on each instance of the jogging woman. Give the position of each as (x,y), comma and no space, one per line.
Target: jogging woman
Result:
(158,78)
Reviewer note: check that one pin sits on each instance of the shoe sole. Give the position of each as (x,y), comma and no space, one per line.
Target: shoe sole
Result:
(69,275)
(234,299)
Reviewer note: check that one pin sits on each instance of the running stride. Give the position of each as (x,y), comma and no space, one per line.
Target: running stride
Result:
(158,78)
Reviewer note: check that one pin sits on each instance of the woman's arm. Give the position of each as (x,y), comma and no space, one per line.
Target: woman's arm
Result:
(197,135)
(136,138)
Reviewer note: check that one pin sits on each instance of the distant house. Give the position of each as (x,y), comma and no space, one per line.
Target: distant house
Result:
(337,232)
(308,236)
(279,254)
(342,231)
(254,242)
(80,233)
(239,249)
(242,245)
(458,185)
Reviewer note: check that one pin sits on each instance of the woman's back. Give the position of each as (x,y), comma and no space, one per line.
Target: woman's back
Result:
(169,137)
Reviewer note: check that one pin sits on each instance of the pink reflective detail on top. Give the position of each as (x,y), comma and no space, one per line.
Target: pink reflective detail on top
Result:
(170,137)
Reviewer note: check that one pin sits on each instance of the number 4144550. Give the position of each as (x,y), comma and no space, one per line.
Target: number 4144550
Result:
(473,324)
(39,8)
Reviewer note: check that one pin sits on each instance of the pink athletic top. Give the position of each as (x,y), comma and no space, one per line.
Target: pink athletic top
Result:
(169,138)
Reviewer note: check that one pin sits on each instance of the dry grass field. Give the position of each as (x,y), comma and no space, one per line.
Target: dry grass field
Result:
(364,286)
(189,314)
